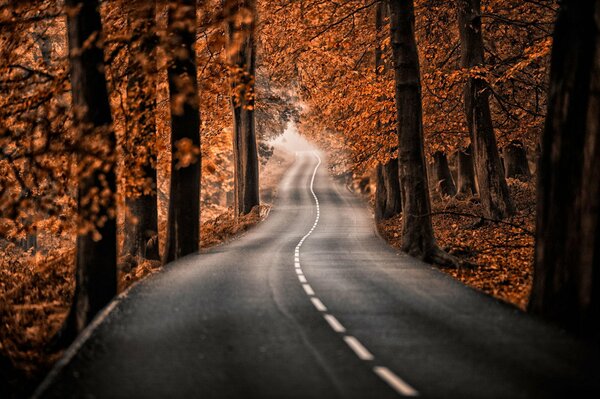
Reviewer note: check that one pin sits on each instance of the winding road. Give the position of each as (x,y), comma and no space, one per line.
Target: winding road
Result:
(312,303)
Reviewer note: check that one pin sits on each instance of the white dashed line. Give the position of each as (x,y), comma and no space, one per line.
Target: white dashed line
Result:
(395,382)
(334,324)
(318,304)
(308,289)
(358,348)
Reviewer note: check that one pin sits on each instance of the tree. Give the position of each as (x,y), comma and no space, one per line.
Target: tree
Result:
(567,253)
(388,201)
(183,226)
(242,59)
(417,232)
(141,224)
(466,179)
(96,269)
(441,173)
(515,161)
(493,190)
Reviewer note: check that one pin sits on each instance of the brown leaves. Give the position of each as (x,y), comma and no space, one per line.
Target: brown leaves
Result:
(186,153)
(502,254)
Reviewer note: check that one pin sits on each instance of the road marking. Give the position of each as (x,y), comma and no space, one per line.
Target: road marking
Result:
(335,324)
(308,289)
(358,348)
(318,304)
(397,383)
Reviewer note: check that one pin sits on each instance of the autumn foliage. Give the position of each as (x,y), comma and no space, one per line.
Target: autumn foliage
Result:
(327,68)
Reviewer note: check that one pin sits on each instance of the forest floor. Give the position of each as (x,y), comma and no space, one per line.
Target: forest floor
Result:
(500,254)
(36,289)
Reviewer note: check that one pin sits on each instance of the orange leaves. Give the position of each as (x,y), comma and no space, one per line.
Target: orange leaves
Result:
(186,153)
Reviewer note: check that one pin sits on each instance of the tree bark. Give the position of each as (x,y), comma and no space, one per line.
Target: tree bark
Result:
(417,232)
(183,226)
(515,161)
(441,174)
(242,59)
(141,222)
(493,190)
(96,269)
(567,255)
(388,201)
(388,196)
(466,175)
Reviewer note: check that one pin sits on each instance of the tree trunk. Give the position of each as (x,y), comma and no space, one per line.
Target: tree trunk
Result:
(515,161)
(240,37)
(388,201)
(466,175)
(183,226)
(567,254)
(493,190)
(141,222)
(441,174)
(96,269)
(417,232)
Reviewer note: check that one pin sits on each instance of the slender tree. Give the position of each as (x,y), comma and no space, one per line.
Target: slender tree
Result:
(465,182)
(493,190)
(96,273)
(417,232)
(141,224)
(183,226)
(388,201)
(241,49)
(566,279)
(441,173)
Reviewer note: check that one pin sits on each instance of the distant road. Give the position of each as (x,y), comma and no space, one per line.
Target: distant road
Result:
(313,304)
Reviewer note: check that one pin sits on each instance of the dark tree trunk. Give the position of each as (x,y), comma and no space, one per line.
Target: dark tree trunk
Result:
(442,176)
(96,270)
(388,196)
(183,226)
(240,35)
(567,256)
(493,190)
(417,232)
(515,161)
(388,201)
(466,176)
(141,223)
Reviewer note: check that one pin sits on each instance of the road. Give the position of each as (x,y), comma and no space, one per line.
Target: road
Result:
(312,303)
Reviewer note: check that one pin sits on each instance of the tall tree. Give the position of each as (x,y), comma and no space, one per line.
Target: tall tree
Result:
(183,226)
(96,272)
(388,202)
(493,190)
(567,254)
(241,49)
(141,224)
(417,232)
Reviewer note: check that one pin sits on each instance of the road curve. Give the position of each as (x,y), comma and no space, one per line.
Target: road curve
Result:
(313,304)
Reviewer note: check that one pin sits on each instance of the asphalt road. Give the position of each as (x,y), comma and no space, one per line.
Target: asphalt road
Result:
(313,304)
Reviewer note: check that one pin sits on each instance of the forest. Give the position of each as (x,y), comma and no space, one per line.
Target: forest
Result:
(137,134)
